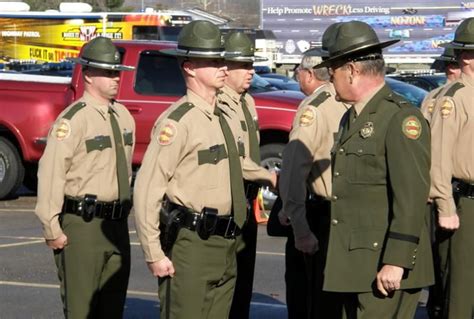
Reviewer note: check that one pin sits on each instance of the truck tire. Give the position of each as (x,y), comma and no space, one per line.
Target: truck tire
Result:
(12,170)
(271,158)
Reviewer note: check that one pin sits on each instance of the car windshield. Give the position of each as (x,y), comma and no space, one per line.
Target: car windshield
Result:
(413,94)
(260,85)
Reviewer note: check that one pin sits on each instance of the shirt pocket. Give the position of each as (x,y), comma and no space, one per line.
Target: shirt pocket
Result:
(208,161)
(363,164)
(98,150)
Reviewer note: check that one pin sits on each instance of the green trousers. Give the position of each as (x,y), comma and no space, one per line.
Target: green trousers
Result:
(204,280)
(461,264)
(94,267)
(400,305)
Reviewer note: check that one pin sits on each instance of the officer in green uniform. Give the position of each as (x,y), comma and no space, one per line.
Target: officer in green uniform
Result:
(452,176)
(241,114)
(84,190)
(189,195)
(379,254)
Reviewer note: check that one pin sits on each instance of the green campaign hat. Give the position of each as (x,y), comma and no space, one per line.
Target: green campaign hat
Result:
(351,39)
(463,37)
(101,53)
(239,47)
(198,39)
(447,56)
(328,38)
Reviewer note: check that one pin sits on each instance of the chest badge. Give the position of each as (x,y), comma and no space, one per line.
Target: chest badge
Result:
(367,130)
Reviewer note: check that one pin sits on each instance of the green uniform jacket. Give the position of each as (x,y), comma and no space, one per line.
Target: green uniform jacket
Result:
(379,212)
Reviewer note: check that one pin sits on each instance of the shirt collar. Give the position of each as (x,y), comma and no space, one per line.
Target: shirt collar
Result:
(359,106)
(200,103)
(94,103)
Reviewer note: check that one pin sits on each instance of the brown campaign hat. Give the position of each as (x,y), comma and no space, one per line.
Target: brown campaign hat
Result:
(353,38)
(101,53)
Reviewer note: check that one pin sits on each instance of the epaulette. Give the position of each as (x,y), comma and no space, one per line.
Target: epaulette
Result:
(73,110)
(437,94)
(456,86)
(318,100)
(398,99)
(179,112)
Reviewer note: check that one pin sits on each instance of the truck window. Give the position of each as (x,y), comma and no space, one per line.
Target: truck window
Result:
(168,33)
(159,74)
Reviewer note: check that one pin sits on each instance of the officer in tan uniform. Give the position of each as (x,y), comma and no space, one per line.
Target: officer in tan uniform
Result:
(239,107)
(452,174)
(189,195)
(379,254)
(305,187)
(84,190)
(450,66)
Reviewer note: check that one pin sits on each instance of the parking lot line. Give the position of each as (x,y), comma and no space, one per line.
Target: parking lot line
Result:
(22,243)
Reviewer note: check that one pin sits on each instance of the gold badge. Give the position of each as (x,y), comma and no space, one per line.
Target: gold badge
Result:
(367,130)
(307,117)
(411,127)
(62,130)
(167,134)
(447,108)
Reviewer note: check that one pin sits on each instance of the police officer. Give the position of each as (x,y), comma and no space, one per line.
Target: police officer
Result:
(452,173)
(189,190)
(379,253)
(84,190)
(241,114)
(447,62)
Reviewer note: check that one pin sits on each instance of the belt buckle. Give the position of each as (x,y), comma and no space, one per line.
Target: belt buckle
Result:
(230,231)
(116,208)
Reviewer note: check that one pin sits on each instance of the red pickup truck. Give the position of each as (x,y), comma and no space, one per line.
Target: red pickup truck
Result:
(28,108)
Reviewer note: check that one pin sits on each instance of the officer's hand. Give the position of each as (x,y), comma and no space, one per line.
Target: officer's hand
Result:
(274,180)
(389,279)
(308,244)
(162,268)
(284,220)
(58,243)
(449,223)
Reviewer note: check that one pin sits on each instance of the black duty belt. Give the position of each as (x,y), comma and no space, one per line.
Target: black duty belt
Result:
(89,207)
(462,188)
(251,190)
(223,226)
(315,199)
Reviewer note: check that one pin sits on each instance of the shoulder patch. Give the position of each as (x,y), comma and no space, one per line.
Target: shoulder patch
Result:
(323,96)
(167,134)
(307,117)
(62,130)
(411,127)
(456,86)
(447,106)
(180,111)
(73,110)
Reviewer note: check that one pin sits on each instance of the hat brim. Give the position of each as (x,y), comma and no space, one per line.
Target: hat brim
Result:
(379,45)
(105,66)
(445,59)
(194,54)
(457,45)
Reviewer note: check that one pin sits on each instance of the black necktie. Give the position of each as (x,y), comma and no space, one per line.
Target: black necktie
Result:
(236,179)
(122,170)
(254,149)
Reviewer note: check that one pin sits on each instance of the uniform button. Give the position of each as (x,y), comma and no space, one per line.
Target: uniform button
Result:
(334,222)
(341,150)
(414,256)
(415,250)
(376,244)
(360,150)
(334,198)
(413,262)
(336,174)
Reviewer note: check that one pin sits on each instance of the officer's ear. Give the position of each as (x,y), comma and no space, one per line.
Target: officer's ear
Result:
(188,67)
(86,74)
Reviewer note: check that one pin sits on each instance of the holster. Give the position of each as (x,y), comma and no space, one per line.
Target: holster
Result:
(170,223)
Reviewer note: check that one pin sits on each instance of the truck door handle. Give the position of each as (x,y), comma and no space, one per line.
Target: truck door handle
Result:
(134,109)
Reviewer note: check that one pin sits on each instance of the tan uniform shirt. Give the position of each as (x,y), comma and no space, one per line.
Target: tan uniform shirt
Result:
(452,129)
(186,161)
(229,102)
(429,102)
(307,158)
(80,159)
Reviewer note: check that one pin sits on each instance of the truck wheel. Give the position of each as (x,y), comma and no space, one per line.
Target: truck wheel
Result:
(271,158)
(11,169)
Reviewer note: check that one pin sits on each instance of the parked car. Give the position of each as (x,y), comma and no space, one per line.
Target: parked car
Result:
(427,82)
(280,81)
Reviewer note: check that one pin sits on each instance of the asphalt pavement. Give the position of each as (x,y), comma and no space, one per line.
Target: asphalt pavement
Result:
(29,285)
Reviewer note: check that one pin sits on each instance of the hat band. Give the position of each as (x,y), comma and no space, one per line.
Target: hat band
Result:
(204,51)
(105,65)
(463,45)
(355,46)
(88,60)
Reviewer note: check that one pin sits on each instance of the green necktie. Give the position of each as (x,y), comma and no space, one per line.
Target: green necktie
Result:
(236,179)
(252,130)
(122,170)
